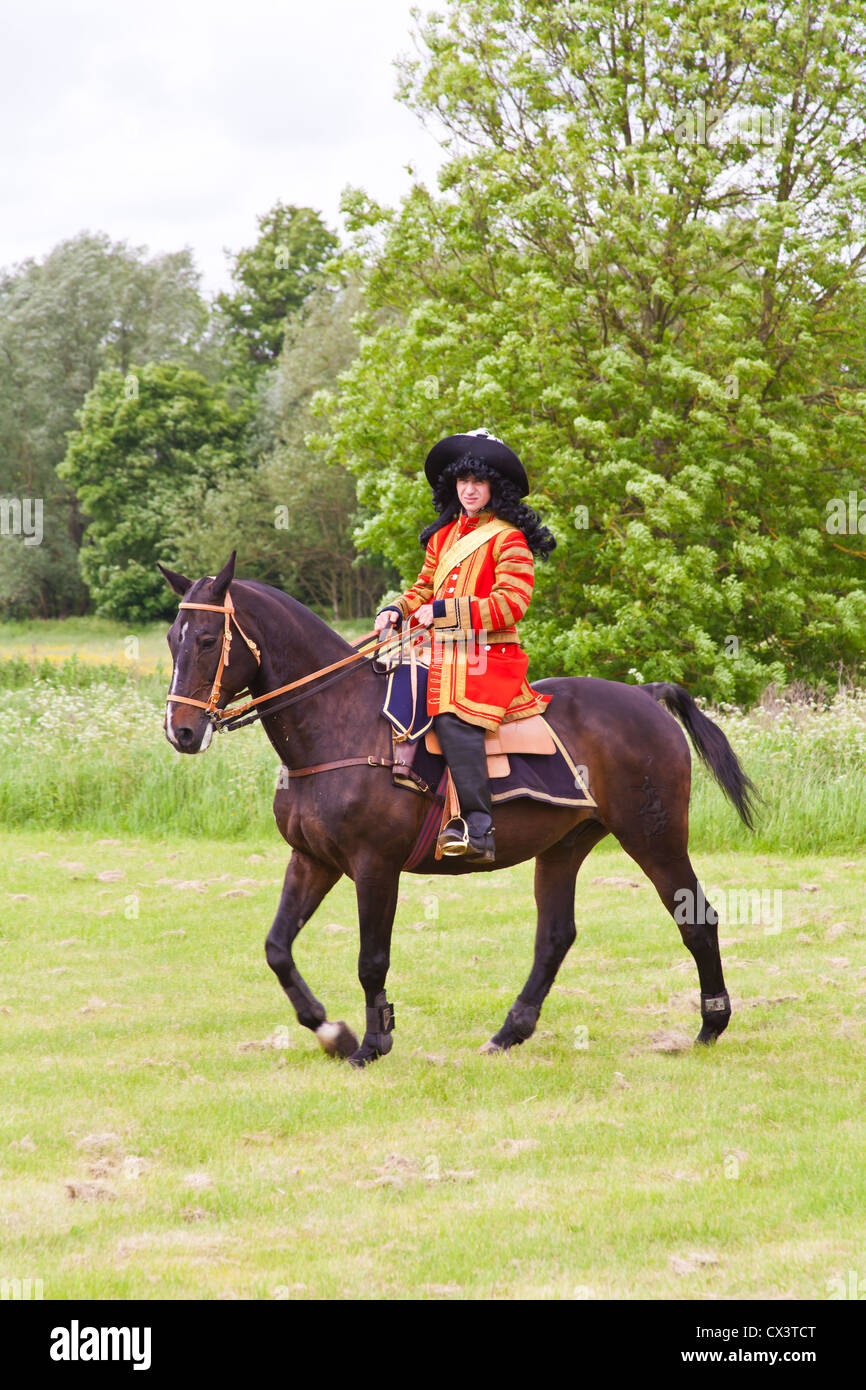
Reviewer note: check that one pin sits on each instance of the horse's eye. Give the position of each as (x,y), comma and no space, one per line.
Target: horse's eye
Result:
(206,642)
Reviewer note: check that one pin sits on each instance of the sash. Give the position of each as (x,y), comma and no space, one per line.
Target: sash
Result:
(458,552)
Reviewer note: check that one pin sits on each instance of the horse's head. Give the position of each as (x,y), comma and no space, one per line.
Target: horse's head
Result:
(205,676)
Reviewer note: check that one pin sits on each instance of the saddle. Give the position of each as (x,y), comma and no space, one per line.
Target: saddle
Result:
(405,707)
(518,736)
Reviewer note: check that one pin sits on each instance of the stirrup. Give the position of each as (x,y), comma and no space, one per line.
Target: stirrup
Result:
(448,844)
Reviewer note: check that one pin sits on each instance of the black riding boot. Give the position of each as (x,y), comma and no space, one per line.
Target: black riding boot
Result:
(463,747)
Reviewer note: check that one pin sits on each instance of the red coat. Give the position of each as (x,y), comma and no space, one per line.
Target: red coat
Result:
(477,667)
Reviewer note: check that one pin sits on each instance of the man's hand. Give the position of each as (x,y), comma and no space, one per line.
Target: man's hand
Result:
(385,619)
(424,615)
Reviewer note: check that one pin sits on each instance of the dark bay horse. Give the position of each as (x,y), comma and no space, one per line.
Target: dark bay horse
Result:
(354,821)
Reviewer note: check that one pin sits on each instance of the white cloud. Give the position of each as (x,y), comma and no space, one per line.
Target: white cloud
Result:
(171,124)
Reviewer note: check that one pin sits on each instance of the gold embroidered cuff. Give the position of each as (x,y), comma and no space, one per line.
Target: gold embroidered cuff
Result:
(458,614)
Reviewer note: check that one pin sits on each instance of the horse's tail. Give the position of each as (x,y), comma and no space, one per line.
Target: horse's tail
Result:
(711,746)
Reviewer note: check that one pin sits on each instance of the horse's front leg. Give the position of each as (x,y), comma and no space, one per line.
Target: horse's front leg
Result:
(376,887)
(306,883)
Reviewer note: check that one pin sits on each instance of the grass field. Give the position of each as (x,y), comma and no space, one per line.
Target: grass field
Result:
(169,1131)
(101,641)
(96,641)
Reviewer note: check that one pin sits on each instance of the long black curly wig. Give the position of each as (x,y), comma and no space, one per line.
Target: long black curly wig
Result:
(505,501)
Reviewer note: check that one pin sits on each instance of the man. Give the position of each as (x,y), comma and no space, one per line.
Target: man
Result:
(473,589)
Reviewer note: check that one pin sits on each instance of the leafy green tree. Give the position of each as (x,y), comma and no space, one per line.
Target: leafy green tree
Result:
(292,517)
(89,304)
(274,278)
(150,446)
(643,268)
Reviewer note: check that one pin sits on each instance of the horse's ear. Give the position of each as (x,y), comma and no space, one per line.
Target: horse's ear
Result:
(224,578)
(178,582)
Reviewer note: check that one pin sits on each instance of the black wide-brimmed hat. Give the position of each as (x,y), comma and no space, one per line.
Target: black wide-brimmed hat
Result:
(483,446)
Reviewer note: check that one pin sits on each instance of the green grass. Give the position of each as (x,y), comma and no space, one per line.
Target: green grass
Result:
(101,641)
(92,640)
(207,1168)
(82,746)
(169,1131)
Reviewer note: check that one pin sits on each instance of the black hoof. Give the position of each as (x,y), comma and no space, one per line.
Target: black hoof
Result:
(715,1017)
(518,1026)
(710,1032)
(374,1046)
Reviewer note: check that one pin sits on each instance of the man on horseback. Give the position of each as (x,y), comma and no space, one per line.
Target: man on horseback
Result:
(475,584)
(473,589)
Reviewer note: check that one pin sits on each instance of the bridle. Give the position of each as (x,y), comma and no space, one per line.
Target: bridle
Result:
(226,717)
(228,609)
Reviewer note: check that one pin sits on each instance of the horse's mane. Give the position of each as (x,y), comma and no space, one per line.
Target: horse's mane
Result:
(296,610)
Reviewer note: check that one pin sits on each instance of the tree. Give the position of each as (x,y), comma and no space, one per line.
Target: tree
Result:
(150,446)
(89,304)
(274,278)
(644,270)
(292,517)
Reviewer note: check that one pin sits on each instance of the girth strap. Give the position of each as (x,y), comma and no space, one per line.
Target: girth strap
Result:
(370,761)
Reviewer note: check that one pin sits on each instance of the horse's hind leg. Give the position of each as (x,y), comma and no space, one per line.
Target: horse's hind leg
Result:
(306,883)
(677,885)
(555,875)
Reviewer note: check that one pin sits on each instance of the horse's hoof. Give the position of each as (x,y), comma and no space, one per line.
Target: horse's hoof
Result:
(490,1048)
(365,1054)
(336,1039)
(706,1037)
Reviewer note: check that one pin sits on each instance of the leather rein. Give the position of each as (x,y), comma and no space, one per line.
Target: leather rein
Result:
(227,718)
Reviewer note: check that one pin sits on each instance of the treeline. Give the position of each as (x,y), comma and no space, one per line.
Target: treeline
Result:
(643,268)
(153,425)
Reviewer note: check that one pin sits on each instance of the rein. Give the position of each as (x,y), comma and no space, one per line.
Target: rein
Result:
(227,718)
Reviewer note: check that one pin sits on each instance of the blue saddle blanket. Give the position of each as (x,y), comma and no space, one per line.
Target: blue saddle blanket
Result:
(552,777)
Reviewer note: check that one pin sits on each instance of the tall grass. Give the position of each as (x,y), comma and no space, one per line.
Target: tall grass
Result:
(807,758)
(82,746)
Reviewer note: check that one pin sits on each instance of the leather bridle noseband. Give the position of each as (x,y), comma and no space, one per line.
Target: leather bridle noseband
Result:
(228,609)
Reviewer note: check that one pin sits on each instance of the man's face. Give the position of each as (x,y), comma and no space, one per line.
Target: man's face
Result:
(473,495)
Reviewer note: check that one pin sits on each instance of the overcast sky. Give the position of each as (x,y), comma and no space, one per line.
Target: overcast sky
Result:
(169,123)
